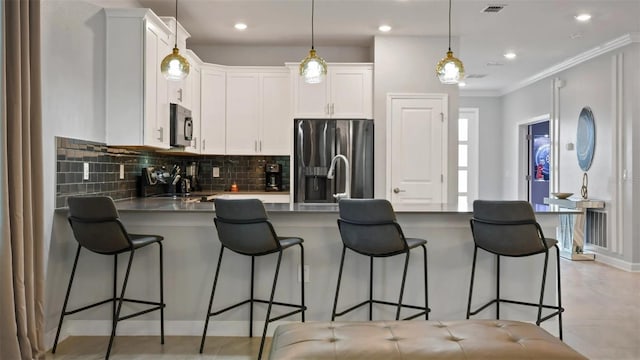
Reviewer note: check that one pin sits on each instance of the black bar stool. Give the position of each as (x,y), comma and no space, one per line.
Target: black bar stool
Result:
(97,227)
(509,228)
(243,227)
(369,227)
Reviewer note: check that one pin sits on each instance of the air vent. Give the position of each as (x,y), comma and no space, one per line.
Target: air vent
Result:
(493,8)
(475,76)
(494,63)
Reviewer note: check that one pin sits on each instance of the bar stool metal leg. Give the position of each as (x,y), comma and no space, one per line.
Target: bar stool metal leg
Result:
(213,291)
(161,296)
(121,300)
(498,287)
(404,278)
(370,288)
(426,284)
(473,273)
(253,263)
(335,301)
(115,289)
(544,280)
(273,292)
(560,309)
(66,300)
(302,280)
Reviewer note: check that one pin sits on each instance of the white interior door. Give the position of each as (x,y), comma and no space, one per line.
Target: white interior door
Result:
(417,156)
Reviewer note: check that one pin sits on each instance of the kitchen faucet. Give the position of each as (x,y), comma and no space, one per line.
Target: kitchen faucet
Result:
(347,191)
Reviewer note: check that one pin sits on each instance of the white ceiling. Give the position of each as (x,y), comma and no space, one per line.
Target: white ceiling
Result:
(543,33)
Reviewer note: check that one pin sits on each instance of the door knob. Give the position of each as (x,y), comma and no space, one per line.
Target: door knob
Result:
(397,190)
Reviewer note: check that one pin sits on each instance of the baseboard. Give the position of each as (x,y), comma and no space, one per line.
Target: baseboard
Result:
(152,328)
(618,263)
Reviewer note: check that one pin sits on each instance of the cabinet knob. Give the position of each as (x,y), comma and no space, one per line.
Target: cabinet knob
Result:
(161,133)
(204,144)
(180,95)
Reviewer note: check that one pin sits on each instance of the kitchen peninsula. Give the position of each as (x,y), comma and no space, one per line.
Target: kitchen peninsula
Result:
(191,249)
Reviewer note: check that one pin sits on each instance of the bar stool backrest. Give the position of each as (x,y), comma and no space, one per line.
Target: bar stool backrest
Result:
(369,227)
(243,226)
(506,228)
(96,225)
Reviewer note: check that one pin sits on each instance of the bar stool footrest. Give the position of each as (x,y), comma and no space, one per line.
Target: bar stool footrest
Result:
(381,302)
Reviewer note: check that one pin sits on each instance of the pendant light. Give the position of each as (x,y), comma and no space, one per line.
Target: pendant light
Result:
(313,68)
(174,66)
(450,70)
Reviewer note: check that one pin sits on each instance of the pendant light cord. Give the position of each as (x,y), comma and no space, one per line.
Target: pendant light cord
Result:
(449,25)
(175,45)
(312,11)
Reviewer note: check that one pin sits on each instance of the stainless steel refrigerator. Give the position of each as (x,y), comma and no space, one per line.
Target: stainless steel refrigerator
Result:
(317,142)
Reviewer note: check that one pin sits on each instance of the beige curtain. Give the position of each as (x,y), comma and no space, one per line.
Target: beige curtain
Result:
(22,243)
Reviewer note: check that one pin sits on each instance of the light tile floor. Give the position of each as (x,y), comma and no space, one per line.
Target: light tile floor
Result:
(601,321)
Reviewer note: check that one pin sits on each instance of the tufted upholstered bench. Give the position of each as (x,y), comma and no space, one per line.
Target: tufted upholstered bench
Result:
(406,340)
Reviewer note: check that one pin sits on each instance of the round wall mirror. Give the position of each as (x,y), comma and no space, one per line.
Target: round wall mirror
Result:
(586,138)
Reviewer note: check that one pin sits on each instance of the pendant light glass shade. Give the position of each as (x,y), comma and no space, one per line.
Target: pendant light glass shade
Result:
(313,68)
(174,66)
(450,69)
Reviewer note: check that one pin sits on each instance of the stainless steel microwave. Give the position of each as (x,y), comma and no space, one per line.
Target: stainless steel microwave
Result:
(181,126)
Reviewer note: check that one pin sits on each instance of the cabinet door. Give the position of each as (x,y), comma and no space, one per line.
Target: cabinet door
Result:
(193,87)
(276,121)
(213,105)
(156,105)
(310,100)
(178,91)
(351,92)
(243,113)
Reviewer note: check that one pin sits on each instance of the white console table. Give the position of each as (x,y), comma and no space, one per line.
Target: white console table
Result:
(573,226)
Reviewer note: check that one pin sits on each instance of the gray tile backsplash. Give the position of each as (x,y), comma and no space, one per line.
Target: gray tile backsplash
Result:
(104,169)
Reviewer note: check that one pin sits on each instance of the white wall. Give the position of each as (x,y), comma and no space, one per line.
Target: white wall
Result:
(406,64)
(609,84)
(490,181)
(276,55)
(73,81)
(519,107)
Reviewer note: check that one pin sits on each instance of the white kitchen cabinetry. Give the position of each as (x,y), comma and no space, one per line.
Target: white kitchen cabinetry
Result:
(346,93)
(137,107)
(180,91)
(213,110)
(259,120)
(192,88)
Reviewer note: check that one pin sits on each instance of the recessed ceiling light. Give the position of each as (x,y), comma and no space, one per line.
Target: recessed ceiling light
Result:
(240,26)
(462,84)
(583,17)
(510,55)
(384,28)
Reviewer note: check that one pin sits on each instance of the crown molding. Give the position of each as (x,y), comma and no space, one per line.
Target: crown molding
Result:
(614,44)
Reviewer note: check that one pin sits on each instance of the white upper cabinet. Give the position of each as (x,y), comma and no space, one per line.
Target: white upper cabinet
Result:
(213,110)
(137,107)
(179,91)
(258,111)
(192,90)
(347,92)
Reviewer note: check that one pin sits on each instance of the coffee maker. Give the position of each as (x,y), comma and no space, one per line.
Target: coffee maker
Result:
(272,177)
(191,174)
